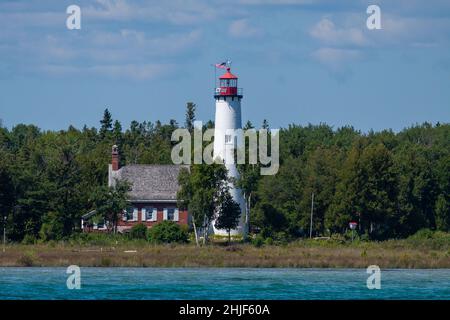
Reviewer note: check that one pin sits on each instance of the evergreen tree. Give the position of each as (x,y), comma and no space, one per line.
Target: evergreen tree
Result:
(117,133)
(190,116)
(106,124)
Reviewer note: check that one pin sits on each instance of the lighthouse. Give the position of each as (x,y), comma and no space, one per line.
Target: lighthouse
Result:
(228,118)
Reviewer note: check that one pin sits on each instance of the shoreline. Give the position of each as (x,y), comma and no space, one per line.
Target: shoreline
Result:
(234,256)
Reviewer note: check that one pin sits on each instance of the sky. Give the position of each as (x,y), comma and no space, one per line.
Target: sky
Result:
(298,61)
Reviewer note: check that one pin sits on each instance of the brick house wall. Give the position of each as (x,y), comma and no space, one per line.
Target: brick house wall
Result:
(183,217)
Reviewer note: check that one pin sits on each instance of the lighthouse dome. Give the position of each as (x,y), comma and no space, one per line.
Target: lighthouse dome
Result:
(228,75)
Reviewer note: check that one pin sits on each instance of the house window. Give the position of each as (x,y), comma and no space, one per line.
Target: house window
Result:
(228,138)
(130,214)
(149,213)
(171,214)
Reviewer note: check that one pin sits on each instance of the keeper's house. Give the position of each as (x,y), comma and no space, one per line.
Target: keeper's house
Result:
(152,199)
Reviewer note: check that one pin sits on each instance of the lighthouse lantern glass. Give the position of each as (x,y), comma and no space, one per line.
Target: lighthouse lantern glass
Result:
(228,83)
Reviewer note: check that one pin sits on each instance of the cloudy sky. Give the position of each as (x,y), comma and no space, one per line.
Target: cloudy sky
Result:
(299,61)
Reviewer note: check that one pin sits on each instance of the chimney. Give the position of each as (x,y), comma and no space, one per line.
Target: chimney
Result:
(115,158)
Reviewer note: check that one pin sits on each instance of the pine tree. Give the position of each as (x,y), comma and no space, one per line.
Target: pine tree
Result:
(106,124)
(190,116)
(117,133)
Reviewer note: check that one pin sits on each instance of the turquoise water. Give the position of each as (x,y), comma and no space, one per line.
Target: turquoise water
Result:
(222,283)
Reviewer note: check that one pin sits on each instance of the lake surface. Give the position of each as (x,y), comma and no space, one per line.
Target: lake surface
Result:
(222,283)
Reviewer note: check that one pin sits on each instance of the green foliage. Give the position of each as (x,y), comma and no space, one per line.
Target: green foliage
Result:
(109,202)
(229,213)
(97,239)
(442,213)
(422,234)
(106,124)
(190,116)
(27,259)
(29,239)
(258,241)
(138,231)
(48,180)
(51,228)
(201,192)
(167,232)
(428,238)
(392,184)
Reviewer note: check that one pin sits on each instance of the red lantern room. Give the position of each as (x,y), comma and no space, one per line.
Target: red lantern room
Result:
(228,86)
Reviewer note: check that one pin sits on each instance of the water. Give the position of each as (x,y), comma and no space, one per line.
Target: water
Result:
(222,283)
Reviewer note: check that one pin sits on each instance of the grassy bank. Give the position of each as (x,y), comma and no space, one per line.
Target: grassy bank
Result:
(410,253)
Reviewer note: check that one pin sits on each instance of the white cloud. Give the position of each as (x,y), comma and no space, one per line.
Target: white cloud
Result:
(128,71)
(334,58)
(174,11)
(139,44)
(412,31)
(277,2)
(327,32)
(241,29)
(131,71)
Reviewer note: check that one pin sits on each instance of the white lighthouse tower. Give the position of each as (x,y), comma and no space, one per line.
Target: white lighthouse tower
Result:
(228,118)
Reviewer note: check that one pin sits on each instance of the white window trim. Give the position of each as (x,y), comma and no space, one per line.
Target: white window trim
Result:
(176,215)
(135,214)
(165,214)
(143,214)
(155,214)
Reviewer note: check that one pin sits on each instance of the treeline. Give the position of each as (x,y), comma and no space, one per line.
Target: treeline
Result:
(49,179)
(393,184)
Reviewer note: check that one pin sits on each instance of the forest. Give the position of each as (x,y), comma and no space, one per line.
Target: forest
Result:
(391,183)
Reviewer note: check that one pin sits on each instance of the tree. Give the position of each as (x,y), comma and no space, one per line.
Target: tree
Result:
(139,231)
(201,192)
(6,190)
(109,202)
(52,227)
(269,219)
(106,124)
(117,133)
(7,196)
(417,190)
(190,116)
(167,232)
(366,191)
(442,213)
(228,214)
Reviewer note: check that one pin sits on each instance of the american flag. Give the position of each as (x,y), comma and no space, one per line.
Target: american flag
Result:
(222,65)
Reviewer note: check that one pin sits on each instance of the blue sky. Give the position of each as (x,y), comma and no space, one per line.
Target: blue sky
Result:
(299,61)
